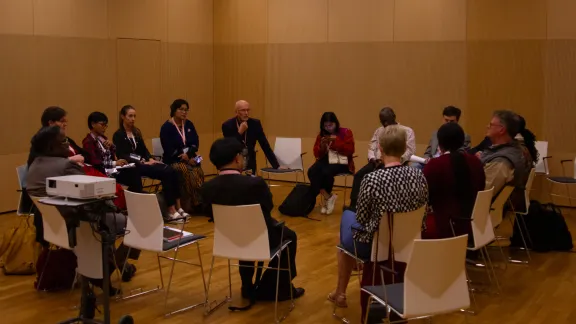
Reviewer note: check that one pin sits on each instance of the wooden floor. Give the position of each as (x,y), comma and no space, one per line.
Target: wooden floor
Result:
(544,292)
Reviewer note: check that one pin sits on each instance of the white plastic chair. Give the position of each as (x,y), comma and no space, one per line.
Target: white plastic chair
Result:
(240,233)
(157,150)
(288,152)
(25,205)
(145,230)
(434,281)
(520,217)
(542,164)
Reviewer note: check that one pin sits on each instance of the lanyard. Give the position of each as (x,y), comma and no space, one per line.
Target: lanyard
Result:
(245,133)
(99,143)
(181,132)
(132,140)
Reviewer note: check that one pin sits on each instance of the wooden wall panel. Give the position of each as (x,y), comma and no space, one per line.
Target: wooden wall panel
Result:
(505,75)
(560,96)
(16,17)
(430,20)
(190,21)
(17,98)
(561,22)
(78,74)
(239,73)
(71,18)
(241,21)
(360,20)
(297,21)
(142,19)
(139,83)
(188,74)
(510,19)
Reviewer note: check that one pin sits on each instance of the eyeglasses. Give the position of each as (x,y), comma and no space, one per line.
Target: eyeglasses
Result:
(103,124)
(184,109)
(494,125)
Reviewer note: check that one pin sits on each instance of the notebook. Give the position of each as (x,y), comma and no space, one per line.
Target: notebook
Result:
(172,234)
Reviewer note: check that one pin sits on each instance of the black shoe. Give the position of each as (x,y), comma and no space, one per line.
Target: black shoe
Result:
(129,272)
(298,292)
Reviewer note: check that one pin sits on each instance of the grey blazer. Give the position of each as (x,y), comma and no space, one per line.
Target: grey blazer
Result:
(433,144)
(48,166)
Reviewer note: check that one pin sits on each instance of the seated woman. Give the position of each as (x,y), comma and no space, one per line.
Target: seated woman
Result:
(180,142)
(51,150)
(102,153)
(395,188)
(130,146)
(454,179)
(333,150)
(528,141)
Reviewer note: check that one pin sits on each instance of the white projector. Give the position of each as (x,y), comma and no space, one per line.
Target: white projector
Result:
(80,187)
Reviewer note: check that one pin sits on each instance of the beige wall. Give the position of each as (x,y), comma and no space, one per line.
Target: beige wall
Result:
(99,55)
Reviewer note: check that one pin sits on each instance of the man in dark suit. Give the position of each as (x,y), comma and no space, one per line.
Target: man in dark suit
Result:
(231,188)
(249,131)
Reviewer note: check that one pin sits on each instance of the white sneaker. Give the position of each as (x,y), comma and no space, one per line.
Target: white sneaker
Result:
(172,218)
(183,213)
(330,204)
(323,203)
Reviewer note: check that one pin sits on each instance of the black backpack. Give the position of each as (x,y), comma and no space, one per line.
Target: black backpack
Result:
(547,229)
(299,202)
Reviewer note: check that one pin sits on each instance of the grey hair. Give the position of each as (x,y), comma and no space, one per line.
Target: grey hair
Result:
(509,120)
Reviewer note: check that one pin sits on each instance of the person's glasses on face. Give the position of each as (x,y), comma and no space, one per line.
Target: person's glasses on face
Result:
(494,125)
(184,110)
(103,124)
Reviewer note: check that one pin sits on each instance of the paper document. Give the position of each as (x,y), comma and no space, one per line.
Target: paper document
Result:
(417,159)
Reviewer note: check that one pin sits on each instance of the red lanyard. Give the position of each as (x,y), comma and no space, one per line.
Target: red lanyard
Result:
(181,132)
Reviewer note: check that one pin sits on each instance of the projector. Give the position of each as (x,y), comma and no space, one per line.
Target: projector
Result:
(80,187)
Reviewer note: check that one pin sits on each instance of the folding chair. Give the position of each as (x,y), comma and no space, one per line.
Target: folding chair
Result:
(145,230)
(240,233)
(25,204)
(434,281)
(520,217)
(288,151)
(157,149)
(542,164)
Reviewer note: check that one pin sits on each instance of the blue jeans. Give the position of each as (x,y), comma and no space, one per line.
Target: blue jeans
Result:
(348,222)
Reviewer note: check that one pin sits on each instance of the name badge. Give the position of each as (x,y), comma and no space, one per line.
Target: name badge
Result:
(135,157)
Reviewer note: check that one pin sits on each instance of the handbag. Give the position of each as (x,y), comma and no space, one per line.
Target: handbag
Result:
(19,250)
(336,158)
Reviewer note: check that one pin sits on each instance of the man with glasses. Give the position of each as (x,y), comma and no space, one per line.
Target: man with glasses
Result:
(249,131)
(504,161)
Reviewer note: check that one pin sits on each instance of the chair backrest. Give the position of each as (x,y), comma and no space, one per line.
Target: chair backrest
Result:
(145,226)
(24,202)
(435,278)
(55,230)
(542,148)
(529,187)
(406,227)
(482,228)
(497,208)
(157,149)
(240,232)
(288,151)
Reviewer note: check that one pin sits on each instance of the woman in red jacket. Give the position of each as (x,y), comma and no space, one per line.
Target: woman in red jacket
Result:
(454,179)
(333,150)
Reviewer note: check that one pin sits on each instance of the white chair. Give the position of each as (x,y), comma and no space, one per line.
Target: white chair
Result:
(434,281)
(240,233)
(497,215)
(25,205)
(542,164)
(145,230)
(157,150)
(288,152)
(520,217)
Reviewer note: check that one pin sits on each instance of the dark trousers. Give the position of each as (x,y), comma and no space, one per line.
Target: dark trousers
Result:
(267,287)
(130,177)
(166,175)
(370,167)
(321,175)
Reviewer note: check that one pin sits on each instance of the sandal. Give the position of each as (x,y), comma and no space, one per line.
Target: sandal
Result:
(338,300)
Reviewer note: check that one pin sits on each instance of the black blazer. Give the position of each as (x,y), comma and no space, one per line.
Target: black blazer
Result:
(236,190)
(255,133)
(124,147)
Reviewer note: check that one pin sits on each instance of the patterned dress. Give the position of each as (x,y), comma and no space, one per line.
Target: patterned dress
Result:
(398,189)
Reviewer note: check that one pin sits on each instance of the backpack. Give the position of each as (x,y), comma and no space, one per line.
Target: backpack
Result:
(56,269)
(299,202)
(547,229)
(19,250)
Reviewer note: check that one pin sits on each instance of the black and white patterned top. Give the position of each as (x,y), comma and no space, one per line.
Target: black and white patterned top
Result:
(398,189)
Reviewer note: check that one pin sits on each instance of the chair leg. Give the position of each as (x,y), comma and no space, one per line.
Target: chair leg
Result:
(207,309)
(170,278)
(345,191)
(229,279)
(202,272)
(368,310)
(488,273)
(472,294)
(277,288)
(522,221)
(44,268)
(498,290)
(523,242)
(160,270)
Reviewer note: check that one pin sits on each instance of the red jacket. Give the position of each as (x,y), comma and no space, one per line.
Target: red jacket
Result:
(344,144)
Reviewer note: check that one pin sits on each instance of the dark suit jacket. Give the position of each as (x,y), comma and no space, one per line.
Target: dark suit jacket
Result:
(124,146)
(255,133)
(236,190)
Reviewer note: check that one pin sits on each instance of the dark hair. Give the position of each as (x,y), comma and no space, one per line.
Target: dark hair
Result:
(509,120)
(45,140)
(328,117)
(529,139)
(52,114)
(387,116)
(96,117)
(452,111)
(451,138)
(123,112)
(224,150)
(177,104)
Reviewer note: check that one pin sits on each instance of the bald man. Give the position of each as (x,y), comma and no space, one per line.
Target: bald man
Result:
(249,131)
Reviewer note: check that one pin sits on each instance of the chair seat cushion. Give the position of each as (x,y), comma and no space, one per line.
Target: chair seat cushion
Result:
(275,251)
(563,179)
(394,292)
(187,239)
(272,170)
